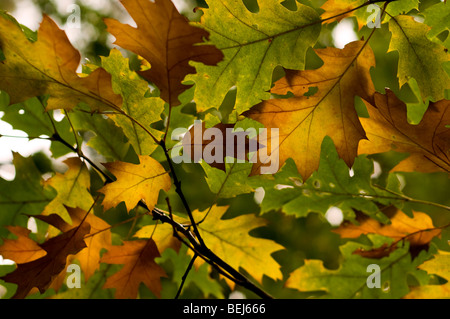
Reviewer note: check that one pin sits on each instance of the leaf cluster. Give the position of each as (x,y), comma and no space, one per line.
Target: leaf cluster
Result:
(362,154)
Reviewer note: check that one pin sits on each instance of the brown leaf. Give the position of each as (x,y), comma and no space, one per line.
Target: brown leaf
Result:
(304,119)
(99,237)
(138,258)
(418,231)
(40,272)
(165,39)
(23,249)
(222,142)
(428,142)
(48,66)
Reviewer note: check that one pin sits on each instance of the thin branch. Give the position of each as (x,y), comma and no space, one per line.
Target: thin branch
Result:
(186,273)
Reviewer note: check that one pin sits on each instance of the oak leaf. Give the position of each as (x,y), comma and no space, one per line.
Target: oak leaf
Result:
(138,258)
(349,280)
(48,66)
(427,143)
(41,272)
(135,182)
(72,188)
(162,234)
(170,43)
(214,144)
(304,120)
(138,111)
(23,249)
(230,240)
(439,265)
(253,45)
(419,57)
(98,238)
(418,230)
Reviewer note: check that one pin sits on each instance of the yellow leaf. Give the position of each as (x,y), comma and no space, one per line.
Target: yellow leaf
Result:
(23,249)
(304,119)
(48,66)
(230,240)
(135,182)
(162,234)
(138,258)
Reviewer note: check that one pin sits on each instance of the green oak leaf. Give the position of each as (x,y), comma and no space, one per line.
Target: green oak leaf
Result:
(230,183)
(350,280)
(144,110)
(419,57)
(332,185)
(109,140)
(253,45)
(31,117)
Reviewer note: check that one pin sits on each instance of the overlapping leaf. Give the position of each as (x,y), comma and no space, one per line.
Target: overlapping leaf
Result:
(331,185)
(25,195)
(417,230)
(419,57)
(365,12)
(40,272)
(138,111)
(439,265)
(135,182)
(48,66)
(230,240)
(22,249)
(427,143)
(253,45)
(170,43)
(72,188)
(350,279)
(300,119)
(138,258)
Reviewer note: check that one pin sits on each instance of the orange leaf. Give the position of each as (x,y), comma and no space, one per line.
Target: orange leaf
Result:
(165,39)
(138,258)
(428,143)
(23,249)
(418,230)
(304,119)
(135,182)
(48,66)
(98,238)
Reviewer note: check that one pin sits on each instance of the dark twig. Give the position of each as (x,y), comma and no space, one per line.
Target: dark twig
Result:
(186,273)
